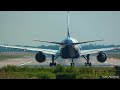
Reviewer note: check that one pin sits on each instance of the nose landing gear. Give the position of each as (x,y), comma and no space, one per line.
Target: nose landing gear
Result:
(72,63)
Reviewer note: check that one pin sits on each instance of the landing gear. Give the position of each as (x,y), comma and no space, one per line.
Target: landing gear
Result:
(87,64)
(87,59)
(72,63)
(53,63)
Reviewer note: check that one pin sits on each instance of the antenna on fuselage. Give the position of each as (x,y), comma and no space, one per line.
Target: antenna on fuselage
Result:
(68,28)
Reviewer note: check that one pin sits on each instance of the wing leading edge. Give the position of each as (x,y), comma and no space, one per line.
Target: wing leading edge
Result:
(47,51)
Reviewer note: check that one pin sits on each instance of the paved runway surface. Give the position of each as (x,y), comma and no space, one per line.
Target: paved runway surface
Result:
(30,61)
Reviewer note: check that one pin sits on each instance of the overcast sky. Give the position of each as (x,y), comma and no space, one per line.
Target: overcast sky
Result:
(22,27)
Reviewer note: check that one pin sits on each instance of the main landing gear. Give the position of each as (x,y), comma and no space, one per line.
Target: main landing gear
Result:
(53,63)
(88,63)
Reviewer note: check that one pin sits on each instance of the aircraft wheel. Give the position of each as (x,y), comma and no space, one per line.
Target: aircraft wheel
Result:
(50,64)
(72,64)
(90,64)
(54,64)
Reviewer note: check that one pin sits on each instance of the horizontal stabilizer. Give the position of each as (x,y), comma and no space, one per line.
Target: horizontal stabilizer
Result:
(67,43)
(50,42)
(86,42)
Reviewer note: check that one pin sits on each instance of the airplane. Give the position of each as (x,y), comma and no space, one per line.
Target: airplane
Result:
(70,48)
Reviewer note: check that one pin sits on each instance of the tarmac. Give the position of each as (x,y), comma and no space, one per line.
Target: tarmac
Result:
(30,61)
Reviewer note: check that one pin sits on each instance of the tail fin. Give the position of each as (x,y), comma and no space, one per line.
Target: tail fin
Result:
(68,34)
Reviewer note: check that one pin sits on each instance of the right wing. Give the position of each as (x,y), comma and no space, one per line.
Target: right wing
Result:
(93,51)
(47,51)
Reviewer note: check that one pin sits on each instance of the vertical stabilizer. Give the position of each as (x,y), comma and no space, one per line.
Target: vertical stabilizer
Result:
(68,28)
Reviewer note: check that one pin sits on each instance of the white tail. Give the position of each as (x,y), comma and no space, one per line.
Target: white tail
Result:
(68,28)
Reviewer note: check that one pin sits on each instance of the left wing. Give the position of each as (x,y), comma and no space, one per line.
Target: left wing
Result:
(47,51)
(85,52)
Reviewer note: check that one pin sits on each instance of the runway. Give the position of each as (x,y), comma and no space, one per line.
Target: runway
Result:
(30,61)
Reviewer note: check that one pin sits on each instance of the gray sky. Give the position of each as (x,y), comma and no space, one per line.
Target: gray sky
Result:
(22,27)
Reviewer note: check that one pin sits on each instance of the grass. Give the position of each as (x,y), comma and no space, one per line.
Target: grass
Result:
(58,72)
(14,72)
(5,57)
(11,56)
(114,55)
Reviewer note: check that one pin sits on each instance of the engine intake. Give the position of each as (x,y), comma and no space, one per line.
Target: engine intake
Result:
(40,57)
(102,57)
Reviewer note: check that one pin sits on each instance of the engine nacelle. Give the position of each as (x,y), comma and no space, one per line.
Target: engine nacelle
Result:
(102,57)
(40,57)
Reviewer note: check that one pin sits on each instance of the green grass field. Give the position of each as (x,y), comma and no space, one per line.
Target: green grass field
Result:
(10,56)
(114,55)
(58,72)
(5,57)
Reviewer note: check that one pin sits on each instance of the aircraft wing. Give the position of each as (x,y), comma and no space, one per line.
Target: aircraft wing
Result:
(47,51)
(93,51)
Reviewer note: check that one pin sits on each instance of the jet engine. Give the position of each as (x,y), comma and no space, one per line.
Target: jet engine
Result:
(102,57)
(40,57)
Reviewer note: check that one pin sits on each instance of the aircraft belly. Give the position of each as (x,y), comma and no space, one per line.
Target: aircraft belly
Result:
(69,52)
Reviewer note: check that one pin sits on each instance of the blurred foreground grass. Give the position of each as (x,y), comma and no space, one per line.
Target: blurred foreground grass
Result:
(58,72)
